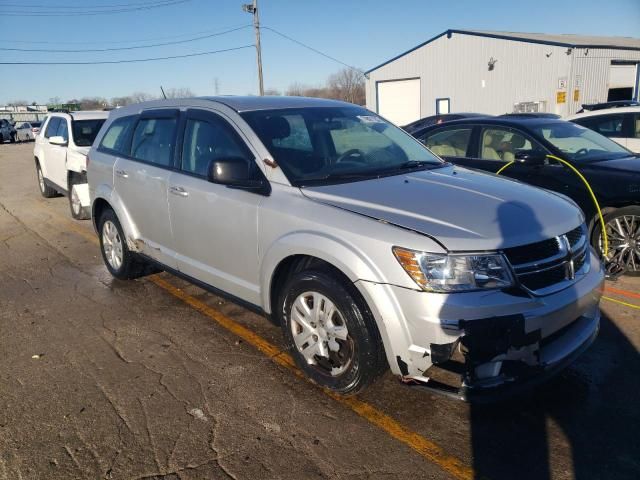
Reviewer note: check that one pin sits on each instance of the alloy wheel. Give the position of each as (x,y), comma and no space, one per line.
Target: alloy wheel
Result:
(41,180)
(112,245)
(75,201)
(623,234)
(320,333)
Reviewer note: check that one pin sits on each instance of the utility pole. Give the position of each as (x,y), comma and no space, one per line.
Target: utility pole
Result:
(253,9)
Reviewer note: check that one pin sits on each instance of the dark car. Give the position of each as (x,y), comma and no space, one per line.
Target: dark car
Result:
(612,171)
(437,119)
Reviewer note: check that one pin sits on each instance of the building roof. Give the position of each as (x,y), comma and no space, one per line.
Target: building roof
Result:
(559,40)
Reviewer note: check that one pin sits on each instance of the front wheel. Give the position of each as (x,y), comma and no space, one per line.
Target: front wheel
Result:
(75,205)
(45,190)
(330,332)
(623,235)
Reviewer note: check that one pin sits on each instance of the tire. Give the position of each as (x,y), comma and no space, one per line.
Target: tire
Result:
(119,260)
(349,353)
(77,210)
(45,190)
(12,138)
(623,235)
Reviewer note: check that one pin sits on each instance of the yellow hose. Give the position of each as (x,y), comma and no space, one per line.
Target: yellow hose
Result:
(605,240)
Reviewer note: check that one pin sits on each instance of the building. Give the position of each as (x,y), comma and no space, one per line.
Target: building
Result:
(500,72)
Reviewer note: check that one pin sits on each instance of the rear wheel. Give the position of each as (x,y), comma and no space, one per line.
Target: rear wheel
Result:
(330,332)
(623,236)
(119,260)
(77,210)
(45,190)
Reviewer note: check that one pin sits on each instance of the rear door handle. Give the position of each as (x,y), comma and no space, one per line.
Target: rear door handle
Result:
(122,173)
(181,192)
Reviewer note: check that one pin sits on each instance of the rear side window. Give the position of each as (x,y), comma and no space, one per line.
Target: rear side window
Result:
(153,140)
(449,142)
(116,138)
(52,127)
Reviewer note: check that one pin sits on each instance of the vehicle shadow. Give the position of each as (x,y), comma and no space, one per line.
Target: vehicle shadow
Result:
(588,413)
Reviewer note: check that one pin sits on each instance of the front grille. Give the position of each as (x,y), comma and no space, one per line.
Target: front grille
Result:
(533,252)
(550,265)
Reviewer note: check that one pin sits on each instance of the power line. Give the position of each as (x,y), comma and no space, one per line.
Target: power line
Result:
(165,3)
(112,5)
(111,42)
(12,49)
(135,60)
(311,48)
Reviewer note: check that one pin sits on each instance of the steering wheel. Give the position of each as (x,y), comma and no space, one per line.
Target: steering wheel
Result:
(582,151)
(350,153)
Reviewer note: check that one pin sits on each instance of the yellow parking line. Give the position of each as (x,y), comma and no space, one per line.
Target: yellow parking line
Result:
(426,448)
(631,305)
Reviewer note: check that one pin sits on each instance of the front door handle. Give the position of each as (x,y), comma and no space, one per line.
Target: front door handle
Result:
(122,174)
(181,192)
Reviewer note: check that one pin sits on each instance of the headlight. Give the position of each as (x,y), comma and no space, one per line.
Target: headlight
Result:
(442,273)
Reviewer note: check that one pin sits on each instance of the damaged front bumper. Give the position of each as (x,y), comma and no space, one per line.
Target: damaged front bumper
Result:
(486,345)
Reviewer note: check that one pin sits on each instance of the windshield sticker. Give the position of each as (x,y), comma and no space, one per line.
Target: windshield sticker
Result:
(370,119)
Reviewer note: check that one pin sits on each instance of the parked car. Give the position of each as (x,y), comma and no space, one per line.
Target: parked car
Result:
(60,154)
(620,123)
(7,131)
(27,131)
(437,119)
(612,171)
(364,246)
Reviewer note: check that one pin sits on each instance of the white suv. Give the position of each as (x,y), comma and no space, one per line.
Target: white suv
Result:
(367,248)
(60,153)
(621,124)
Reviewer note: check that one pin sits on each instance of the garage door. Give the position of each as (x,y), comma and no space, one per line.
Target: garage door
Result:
(622,76)
(399,100)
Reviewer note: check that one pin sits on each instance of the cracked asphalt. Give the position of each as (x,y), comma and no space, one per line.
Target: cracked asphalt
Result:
(102,379)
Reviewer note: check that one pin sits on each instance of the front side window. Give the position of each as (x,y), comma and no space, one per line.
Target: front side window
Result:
(450,142)
(580,143)
(635,125)
(52,127)
(63,130)
(153,140)
(118,134)
(85,131)
(337,144)
(607,125)
(503,144)
(207,141)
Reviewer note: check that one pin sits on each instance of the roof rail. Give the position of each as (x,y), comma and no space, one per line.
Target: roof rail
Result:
(604,105)
(530,115)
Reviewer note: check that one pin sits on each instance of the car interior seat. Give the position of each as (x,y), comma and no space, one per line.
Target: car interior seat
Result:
(516,143)
(488,150)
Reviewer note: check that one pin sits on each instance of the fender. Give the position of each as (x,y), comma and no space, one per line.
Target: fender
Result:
(76,161)
(356,266)
(131,233)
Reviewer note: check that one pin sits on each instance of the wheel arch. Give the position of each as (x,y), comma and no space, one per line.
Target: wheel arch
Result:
(105,198)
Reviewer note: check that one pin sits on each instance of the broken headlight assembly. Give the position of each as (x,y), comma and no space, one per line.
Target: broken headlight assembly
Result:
(449,273)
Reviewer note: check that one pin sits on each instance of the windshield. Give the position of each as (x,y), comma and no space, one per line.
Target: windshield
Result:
(322,145)
(85,131)
(580,143)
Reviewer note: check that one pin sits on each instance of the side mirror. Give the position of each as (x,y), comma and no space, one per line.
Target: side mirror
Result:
(57,140)
(234,172)
(531,158)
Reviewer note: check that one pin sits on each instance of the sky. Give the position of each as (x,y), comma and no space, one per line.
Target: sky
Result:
(359,33)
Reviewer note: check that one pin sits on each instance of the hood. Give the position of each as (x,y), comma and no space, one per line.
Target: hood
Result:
(624,164)
(461,209)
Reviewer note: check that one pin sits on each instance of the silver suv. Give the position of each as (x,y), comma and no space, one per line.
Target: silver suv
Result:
(368,249)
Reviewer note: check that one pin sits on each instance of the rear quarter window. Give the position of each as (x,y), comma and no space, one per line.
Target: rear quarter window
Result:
(116,139)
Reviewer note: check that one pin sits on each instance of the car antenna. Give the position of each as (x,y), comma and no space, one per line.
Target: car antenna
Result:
(163,94)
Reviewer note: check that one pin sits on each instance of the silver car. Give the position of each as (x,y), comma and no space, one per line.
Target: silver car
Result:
(369,250)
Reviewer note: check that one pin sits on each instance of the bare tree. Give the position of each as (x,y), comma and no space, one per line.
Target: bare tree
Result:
(274,92)
(121,101)
(137,97)
(348,85)
(16,103)
(296,90)
(179,92)
(93,103)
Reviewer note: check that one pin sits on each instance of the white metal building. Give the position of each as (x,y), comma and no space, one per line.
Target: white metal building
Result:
(500,72)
